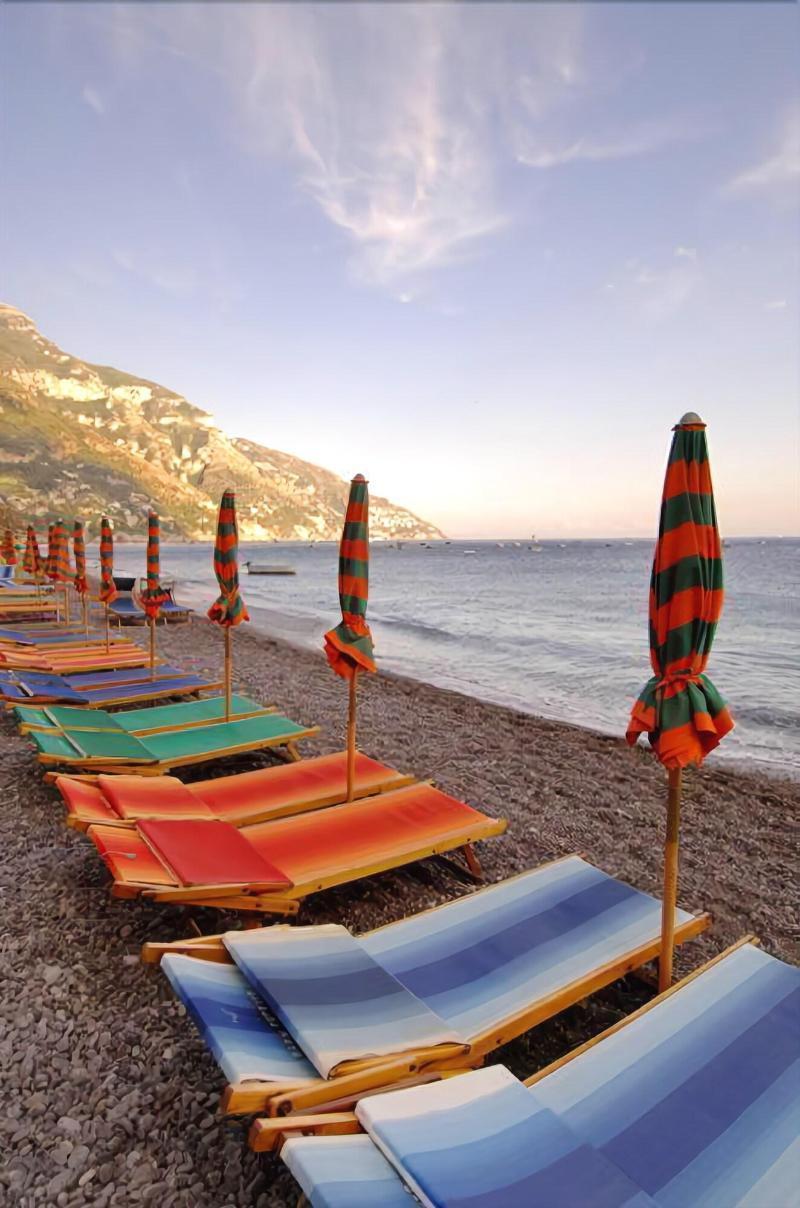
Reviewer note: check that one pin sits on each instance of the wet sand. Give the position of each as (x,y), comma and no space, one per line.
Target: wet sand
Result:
(108,1095)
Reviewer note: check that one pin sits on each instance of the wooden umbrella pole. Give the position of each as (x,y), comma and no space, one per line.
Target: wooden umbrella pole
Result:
(108,626)
(228,673)
(66,604)
(85,607)
(670,899)
(152,621)
(351,737)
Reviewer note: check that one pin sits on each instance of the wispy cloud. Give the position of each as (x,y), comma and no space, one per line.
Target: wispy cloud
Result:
(776,304)
(640,140)
(154,270)
(662,288)
(93,99)
(777,176)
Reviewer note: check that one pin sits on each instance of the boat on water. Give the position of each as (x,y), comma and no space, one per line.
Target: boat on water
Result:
(266,568)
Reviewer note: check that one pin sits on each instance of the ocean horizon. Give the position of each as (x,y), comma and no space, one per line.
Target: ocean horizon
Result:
(557,628)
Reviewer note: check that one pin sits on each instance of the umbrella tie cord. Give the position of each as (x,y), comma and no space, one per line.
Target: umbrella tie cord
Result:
(676,677)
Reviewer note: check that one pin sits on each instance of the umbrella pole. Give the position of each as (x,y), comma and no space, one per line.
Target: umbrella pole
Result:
(108,626)
(152,622)
(351,737)
(66,605)
(670,880)
(85,607)
(228,672)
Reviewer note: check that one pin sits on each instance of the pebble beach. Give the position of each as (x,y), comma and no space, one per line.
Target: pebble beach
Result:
(107,1094)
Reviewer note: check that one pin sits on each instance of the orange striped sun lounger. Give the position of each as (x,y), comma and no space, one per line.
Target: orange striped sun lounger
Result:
(259,796)
(271,866)
(72,662)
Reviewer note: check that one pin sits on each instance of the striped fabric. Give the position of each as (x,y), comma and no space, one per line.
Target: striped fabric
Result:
(229,608)
(32,561)
(58,567)
(696,1101)
(153,595)
(679,708)
(349,645)
(9,550)
(244,1038)
(474,962)
(79,547)
(108,592)
(484,1139)
(332,997)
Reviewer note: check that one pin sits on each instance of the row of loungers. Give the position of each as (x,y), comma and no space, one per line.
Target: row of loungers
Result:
(361,1057)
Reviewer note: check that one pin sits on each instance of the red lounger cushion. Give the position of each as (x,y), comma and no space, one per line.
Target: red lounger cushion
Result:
(280,790)
(211,853)
(143,797)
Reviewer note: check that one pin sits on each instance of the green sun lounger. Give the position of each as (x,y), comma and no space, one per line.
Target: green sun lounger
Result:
(115,750)
(137,721)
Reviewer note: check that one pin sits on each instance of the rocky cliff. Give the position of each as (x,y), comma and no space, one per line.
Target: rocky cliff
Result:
(78,439)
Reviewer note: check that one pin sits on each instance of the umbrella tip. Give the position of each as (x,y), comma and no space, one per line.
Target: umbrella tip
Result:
(691,417)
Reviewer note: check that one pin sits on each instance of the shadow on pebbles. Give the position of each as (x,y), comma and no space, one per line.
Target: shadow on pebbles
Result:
(108,1095)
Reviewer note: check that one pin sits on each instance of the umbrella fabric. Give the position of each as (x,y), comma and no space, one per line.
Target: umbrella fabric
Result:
(153,595)
(79,547)
(108,592)
(32,560)
(9,550)
(229,607)
(679,708)
(349,645)
(58,567)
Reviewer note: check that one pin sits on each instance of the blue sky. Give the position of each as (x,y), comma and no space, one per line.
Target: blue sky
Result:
(487,255)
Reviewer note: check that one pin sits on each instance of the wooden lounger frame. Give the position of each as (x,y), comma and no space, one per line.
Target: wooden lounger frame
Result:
(363,1077)
(159,767)
(268,1135)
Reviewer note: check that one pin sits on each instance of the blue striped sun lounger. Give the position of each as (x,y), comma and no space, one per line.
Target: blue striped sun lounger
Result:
(27,692)
(452,983)
(694,1101)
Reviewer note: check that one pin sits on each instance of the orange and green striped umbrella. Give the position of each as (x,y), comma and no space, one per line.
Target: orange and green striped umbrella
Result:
(79,548)
(58,567)
(32,559)
(349,645)
(229,608)
(679,708)
(108,592)
(153,595)
(9,549)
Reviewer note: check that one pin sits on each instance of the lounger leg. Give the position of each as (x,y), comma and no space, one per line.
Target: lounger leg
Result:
(292,752)
(473,863)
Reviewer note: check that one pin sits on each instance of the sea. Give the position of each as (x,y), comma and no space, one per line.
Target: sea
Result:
(556,629)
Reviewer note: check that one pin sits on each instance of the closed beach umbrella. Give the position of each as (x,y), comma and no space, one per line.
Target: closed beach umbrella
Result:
(58,567)
(228,610)
(679,708)
(108,591)
(32,559)
(349,645)
(80,581)
(153,595)
(9,549)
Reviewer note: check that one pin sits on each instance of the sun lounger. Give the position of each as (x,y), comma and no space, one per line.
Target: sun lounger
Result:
(141,722)
(272,866)
(693,1100)
(118,751)
(476,973)
(162,687)
(67,662)
(125,608)
(259,796)
(171,610)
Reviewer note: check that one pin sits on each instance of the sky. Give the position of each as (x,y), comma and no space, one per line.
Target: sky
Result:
(487,255)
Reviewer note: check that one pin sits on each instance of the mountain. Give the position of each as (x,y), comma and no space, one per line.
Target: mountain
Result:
(83,440)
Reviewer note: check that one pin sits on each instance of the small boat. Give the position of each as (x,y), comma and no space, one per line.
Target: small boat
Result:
(469,551)
(265,568)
